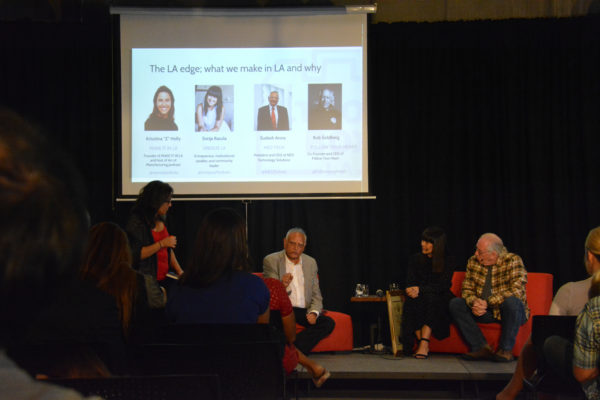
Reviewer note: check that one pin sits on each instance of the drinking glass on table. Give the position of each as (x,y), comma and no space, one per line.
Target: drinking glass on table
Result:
(360,290)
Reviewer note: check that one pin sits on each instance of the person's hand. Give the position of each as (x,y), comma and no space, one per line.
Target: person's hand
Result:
(287,279)
(412,292)
(479,307)
(170,241)
(312,318)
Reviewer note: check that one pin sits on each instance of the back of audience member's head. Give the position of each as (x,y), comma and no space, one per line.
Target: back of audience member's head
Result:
(150,198)
(43,220)
(219,249)
(72,361)
(595,286)
(592,241)
(107,264)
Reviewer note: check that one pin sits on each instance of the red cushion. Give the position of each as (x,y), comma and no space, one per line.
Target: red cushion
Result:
(342,337)
(539,298)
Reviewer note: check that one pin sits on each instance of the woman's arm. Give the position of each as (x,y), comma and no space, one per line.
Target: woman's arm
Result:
(264,318)
(175,264)
(289,327)
(219,120)
(582,375)
(150,250)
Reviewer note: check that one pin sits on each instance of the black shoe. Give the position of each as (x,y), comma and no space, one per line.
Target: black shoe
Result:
(422,356)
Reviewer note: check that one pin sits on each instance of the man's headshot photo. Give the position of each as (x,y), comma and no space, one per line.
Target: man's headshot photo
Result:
(325,106)
(271,117)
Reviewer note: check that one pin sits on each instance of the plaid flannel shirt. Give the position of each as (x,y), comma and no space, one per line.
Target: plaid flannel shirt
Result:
(586,349)
(509,278)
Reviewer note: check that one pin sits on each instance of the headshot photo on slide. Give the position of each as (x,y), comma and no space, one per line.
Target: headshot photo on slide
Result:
(325,106)
(272,113)
(162,117)
(214,108)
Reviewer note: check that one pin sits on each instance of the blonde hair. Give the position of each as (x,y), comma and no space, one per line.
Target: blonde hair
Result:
(595,286)
(592,242)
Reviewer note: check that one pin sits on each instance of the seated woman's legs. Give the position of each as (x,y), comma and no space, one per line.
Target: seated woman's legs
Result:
(423,336)
(317,371)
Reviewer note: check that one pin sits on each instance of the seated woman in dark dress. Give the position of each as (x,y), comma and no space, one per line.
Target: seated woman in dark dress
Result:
(216,287)
(428,282)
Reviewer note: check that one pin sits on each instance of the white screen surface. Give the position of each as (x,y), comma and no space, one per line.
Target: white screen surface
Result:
(315,63)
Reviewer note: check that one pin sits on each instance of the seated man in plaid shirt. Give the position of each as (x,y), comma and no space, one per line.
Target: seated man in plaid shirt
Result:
(493,291)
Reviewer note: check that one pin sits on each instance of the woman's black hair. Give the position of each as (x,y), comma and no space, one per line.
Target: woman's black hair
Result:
(214,91)
(437,237)
(151,197)
(219,249)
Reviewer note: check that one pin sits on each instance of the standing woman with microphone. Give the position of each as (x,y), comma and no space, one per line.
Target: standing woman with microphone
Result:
(151,244)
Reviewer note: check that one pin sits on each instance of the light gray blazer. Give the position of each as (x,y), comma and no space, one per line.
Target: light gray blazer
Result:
(274,267)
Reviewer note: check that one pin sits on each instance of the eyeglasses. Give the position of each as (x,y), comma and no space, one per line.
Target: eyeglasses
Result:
(295,244)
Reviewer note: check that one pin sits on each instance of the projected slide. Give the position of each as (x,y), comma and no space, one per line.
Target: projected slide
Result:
(247,114)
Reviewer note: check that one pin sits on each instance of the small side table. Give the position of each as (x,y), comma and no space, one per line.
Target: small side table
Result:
(372,299)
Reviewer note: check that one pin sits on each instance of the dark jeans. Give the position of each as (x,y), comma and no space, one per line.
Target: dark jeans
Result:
(512,314)
(309,337)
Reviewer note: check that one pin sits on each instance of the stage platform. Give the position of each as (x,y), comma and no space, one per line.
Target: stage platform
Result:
(362,375)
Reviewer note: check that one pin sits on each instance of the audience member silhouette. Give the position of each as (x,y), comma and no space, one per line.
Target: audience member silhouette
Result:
(107,265)
(216,286)
(41,206)
(569,300)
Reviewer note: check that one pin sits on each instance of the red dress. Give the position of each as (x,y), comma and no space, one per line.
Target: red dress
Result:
(280,301)
(162,255)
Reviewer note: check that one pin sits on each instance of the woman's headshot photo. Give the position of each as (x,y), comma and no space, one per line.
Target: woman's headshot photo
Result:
(214,108)
(162,116)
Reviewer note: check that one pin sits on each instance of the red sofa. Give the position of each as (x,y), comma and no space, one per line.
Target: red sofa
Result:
(342,337)
(539,297)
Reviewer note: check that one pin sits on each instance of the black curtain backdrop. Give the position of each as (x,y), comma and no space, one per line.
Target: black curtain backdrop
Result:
(474,126)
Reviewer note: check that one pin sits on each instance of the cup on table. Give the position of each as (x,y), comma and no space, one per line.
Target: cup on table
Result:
(360,290)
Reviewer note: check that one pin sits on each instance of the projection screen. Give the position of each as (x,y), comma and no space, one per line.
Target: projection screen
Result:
(244,103)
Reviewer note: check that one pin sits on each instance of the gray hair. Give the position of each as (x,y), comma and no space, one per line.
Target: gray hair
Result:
(495,243)
(296,230)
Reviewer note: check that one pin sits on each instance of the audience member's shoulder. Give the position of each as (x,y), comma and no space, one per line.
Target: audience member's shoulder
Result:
(18,385)
(273,284)
(248,277)
(593,305)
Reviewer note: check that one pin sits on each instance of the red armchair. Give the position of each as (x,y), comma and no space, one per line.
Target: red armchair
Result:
(539,297)
(342,337)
